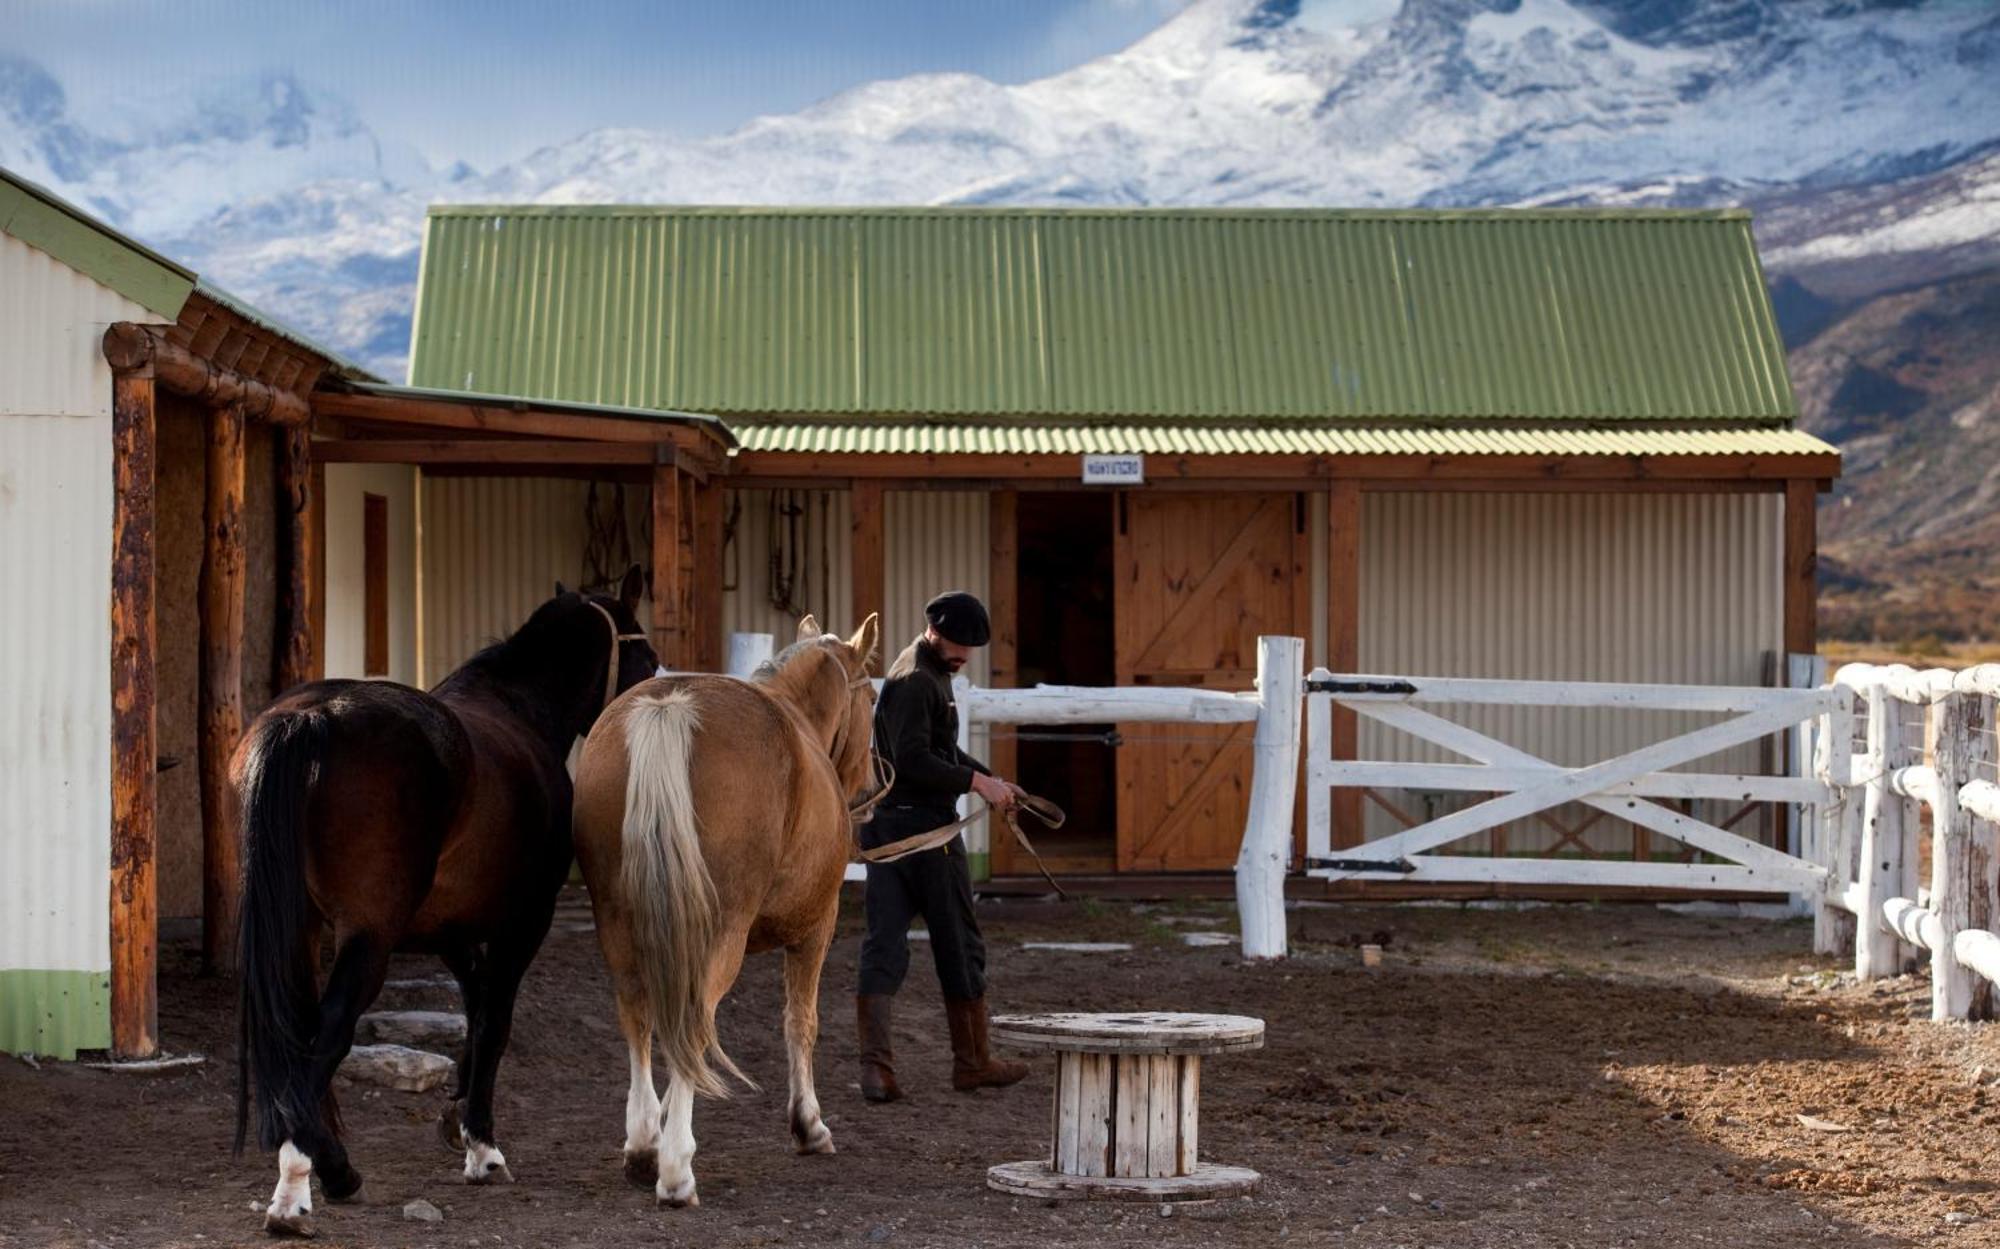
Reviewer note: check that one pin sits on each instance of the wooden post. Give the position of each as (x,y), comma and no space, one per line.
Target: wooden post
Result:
(316,573)
(669,579)
(1343,639)
(1838,828)
(705,614)
(1952,885)
(298,498)
(1880,873)
(1267,831)
(134,901)
(221,711)
(1801,567)
(1003,656)
(1975,754)
(869,550)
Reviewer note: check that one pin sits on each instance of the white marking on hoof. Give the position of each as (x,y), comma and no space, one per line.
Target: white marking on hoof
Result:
(816,1139)
(679,1196)
(290,1211)
(485,1163)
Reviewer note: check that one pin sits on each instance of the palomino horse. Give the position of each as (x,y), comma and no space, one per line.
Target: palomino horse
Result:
(713,820)
(434,822)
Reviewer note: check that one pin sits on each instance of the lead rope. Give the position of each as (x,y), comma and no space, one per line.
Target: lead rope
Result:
(1047,813)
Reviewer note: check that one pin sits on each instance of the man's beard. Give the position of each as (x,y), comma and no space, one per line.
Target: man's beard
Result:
(954,664)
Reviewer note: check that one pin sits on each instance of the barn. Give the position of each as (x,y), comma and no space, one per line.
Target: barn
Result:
(1541,444)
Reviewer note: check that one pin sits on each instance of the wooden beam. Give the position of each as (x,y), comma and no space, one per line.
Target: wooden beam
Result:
(132,347)
(869,550)
(1003,656)
(1343,639)
(221,701)
(669,578)
(1801,568)
(134,899)
(316,571)
(1597,468)
(500,417)
(520,454)
(297,499)
(705,612)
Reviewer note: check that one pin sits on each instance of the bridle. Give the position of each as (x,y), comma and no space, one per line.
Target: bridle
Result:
(880,770)
(617,640)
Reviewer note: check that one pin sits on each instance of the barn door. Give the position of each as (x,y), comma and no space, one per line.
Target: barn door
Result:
(1198,578)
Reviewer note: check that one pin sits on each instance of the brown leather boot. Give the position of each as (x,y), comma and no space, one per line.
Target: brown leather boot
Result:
(972,1067)
(878,1075)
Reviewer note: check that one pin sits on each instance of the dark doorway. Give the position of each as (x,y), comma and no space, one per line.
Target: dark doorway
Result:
(1065,632)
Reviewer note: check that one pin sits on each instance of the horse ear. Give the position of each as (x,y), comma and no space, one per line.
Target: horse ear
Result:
(808,627)
(867,638)
(633,588)
(561,589)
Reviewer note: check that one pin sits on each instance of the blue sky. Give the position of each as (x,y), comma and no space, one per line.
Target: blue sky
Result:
(488,82)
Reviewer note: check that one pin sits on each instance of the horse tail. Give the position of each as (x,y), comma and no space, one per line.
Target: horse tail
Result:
(668,890)
(278,1006)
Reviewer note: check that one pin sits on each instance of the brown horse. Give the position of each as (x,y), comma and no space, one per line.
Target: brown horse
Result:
(409,821)
(714,819)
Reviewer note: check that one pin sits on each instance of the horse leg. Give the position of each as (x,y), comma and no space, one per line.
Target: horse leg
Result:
(486,1041)
(467,969)
(358,971)
(643,1108)
(675,1186)
(803,962)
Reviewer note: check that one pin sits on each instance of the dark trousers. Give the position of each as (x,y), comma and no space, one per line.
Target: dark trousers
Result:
(938,886)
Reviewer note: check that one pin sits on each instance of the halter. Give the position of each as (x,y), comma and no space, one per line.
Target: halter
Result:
(617,639)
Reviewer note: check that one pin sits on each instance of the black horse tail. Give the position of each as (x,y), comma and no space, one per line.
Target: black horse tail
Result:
(278,1007)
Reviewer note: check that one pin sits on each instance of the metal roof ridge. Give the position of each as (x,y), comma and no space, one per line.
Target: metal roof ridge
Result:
(1295,213)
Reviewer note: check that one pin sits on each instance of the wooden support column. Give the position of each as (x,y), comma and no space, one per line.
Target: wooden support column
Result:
(1003,609)
(669,577)
(1801,566)
(1343,638)
(316,571)
(134,901)
(298,501)
(705,616)
(221,712)
(869,550)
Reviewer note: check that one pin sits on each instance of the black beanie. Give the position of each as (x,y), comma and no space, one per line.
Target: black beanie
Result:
(959,617)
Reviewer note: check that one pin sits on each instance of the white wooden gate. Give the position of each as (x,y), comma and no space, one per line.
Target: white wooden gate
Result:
(1623,786)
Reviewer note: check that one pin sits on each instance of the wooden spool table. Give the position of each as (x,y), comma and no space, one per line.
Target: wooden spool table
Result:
(1128,1093)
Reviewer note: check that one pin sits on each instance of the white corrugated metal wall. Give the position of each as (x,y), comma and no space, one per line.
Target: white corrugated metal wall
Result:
(786,546)
(1672,588)
(55,653)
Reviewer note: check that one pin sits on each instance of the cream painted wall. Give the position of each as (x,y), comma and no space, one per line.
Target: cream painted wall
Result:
(345,623)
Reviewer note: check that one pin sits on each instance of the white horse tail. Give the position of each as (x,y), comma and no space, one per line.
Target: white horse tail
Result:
(668,891)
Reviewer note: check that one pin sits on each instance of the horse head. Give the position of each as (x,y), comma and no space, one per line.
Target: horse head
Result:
(839,697)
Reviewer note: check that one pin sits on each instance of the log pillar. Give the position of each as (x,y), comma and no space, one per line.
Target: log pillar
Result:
(134,899)
(1343,639)
(669,576)
(221,710)
(705,613)
(870,557)
(297,499)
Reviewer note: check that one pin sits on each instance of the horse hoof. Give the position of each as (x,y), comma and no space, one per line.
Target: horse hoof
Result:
(299,1224)
(340,1185)
(819,1141)
(448,1126)
(642,1169)
(680,1197)
(485,1164)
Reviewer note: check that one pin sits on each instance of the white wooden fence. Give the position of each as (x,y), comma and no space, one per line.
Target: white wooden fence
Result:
(1929,748)
(1625,785)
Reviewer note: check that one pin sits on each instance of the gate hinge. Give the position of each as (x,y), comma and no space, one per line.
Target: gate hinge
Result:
(1402,867)
(1338,686)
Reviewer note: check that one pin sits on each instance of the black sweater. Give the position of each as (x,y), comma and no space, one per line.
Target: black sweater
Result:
(916,730)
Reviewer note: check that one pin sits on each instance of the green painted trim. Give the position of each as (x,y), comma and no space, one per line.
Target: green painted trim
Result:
(92,248)
(54,1012)
(980,865)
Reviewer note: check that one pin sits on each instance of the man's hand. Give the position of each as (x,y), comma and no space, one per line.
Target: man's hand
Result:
(996,793)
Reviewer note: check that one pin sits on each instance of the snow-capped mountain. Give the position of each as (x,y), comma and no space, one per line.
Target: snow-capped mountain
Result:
(277,190)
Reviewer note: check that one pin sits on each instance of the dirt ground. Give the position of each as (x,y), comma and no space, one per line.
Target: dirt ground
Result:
(1558,1076)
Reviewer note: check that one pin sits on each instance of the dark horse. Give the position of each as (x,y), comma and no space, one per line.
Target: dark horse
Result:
(434,822)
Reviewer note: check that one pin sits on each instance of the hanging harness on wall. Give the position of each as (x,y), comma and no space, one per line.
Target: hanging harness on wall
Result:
(789,521)
(607,545)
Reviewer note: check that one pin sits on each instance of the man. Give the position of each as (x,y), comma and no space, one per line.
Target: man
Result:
(916,730)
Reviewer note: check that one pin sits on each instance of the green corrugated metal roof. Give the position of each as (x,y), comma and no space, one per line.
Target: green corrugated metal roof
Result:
(48,223)
(1155,314)
(884,438)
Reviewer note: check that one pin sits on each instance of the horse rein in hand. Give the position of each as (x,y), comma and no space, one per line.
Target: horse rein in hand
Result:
(1046,813)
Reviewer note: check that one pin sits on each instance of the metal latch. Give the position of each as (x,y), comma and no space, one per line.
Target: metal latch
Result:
(1402,867)
(1335,685)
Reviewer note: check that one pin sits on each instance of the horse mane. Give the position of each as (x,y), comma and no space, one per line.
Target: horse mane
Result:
(773,670)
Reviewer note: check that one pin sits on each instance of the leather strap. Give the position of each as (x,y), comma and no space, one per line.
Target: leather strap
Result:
(1047,813)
